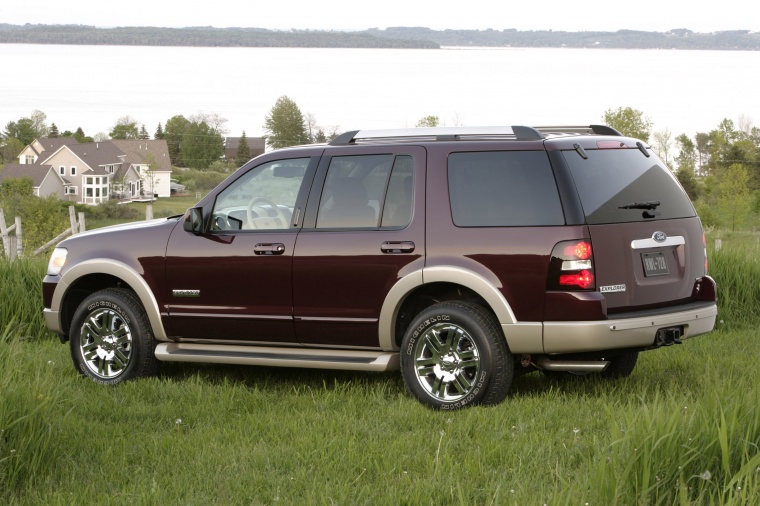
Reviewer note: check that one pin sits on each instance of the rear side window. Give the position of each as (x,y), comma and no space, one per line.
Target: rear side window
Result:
(610,180)
(503,189)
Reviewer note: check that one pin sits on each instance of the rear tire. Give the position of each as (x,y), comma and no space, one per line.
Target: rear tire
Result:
(621,366)
(111,339)
(454,355)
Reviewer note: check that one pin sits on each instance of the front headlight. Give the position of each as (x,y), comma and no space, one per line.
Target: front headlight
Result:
(56,261)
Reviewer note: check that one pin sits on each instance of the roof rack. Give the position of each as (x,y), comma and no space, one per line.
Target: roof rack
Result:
(515,132)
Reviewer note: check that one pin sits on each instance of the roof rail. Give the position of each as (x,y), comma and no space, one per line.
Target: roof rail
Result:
(590,129)
(438,134)
(515,132)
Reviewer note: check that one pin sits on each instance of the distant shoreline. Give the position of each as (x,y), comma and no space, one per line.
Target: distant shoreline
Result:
(388,38)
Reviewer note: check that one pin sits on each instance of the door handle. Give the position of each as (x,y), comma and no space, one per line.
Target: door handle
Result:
(397,247)
(274,248)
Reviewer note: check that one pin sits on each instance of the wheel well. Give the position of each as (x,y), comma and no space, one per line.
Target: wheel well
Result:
(429,294)
(81,289)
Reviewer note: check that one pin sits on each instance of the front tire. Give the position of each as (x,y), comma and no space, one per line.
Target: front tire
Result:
(111,339)
(454,355)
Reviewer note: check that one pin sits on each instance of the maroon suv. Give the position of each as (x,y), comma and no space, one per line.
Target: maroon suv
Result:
(464,256)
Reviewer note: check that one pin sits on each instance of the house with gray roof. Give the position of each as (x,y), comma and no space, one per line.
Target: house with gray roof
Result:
(45,180)
(93,172)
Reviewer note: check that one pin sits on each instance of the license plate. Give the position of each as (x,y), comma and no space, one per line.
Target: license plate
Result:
(654,264)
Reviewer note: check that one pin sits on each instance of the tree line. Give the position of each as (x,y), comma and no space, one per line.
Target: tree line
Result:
(196,141)
(200,36)
(392,37)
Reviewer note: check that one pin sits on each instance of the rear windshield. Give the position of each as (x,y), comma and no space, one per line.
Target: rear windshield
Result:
(612,179)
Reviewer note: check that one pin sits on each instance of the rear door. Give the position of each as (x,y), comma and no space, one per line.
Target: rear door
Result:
(647,240)
(364,230)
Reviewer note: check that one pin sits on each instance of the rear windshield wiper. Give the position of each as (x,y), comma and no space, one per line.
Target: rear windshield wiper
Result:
(652,204)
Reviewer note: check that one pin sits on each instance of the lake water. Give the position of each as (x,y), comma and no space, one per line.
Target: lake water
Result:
(93,86)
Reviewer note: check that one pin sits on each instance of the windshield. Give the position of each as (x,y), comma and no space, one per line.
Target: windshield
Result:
(623,185)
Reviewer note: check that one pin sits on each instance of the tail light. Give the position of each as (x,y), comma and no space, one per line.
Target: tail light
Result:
(572,266)
(704,245)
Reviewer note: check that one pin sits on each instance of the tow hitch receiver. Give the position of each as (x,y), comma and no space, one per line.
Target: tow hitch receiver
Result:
(668,336)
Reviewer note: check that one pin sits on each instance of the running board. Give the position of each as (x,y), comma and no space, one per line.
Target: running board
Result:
(352,360)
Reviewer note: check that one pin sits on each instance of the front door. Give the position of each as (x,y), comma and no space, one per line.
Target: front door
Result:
(233,282)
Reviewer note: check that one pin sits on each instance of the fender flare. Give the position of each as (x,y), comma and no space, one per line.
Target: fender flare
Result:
(447,274)
(119,270)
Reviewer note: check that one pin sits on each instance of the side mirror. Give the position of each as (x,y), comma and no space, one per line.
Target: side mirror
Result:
(194,220)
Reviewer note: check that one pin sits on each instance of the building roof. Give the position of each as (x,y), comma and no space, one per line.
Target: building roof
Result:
(36,173)
(257,146)
(53,144)
(141,152)
(97,155)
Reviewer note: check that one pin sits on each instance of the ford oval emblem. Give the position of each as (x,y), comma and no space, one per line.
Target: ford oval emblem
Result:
(659,236)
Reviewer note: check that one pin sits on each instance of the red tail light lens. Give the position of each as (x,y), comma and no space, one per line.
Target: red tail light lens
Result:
(583,279)
(572,266)
(580,250)
(704,245)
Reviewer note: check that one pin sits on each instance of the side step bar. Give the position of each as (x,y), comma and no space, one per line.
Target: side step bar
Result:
(353,360)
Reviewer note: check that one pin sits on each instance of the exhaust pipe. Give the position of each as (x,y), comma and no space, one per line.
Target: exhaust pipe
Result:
(543,362)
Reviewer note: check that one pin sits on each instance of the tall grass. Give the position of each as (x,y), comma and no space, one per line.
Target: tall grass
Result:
(31,413)
(683,429)
(736,269)
(21,297)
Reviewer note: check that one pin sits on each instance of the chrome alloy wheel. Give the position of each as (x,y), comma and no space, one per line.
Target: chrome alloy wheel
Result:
(106,343)
(447,362)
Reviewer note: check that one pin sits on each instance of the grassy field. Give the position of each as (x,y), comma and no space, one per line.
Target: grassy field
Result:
(683,429)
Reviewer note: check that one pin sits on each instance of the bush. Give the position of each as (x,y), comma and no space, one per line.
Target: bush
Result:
(200,180)
(111,209)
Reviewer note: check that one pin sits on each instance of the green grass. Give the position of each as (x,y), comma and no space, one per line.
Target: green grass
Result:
(683,429)
(203,434)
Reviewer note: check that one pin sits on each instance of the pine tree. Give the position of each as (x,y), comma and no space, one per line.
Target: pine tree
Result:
(53,131)
(243,151)
(159,135)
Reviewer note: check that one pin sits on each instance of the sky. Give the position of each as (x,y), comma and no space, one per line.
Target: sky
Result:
(567,15)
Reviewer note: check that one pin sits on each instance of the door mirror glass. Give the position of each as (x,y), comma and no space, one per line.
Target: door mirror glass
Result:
(194,220)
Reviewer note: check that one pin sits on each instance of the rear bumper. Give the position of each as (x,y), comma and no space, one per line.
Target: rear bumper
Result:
(636,332)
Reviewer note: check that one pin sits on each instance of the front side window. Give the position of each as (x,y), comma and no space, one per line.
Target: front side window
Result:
(367,191)
(503,189)
(262,199)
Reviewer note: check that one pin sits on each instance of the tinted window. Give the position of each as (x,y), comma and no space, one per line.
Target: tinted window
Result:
(612,178)
(397,211)
(503,189)
(360,189)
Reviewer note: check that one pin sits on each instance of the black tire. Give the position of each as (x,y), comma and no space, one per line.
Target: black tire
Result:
(111,339)
(454,355)
(621,366)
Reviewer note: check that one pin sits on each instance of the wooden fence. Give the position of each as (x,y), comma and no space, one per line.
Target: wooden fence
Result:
(13,238)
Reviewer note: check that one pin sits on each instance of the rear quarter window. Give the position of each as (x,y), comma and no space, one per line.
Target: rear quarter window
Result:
(503,189)
(610,179)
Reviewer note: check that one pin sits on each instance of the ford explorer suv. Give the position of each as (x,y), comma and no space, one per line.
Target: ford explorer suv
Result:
(462,256)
